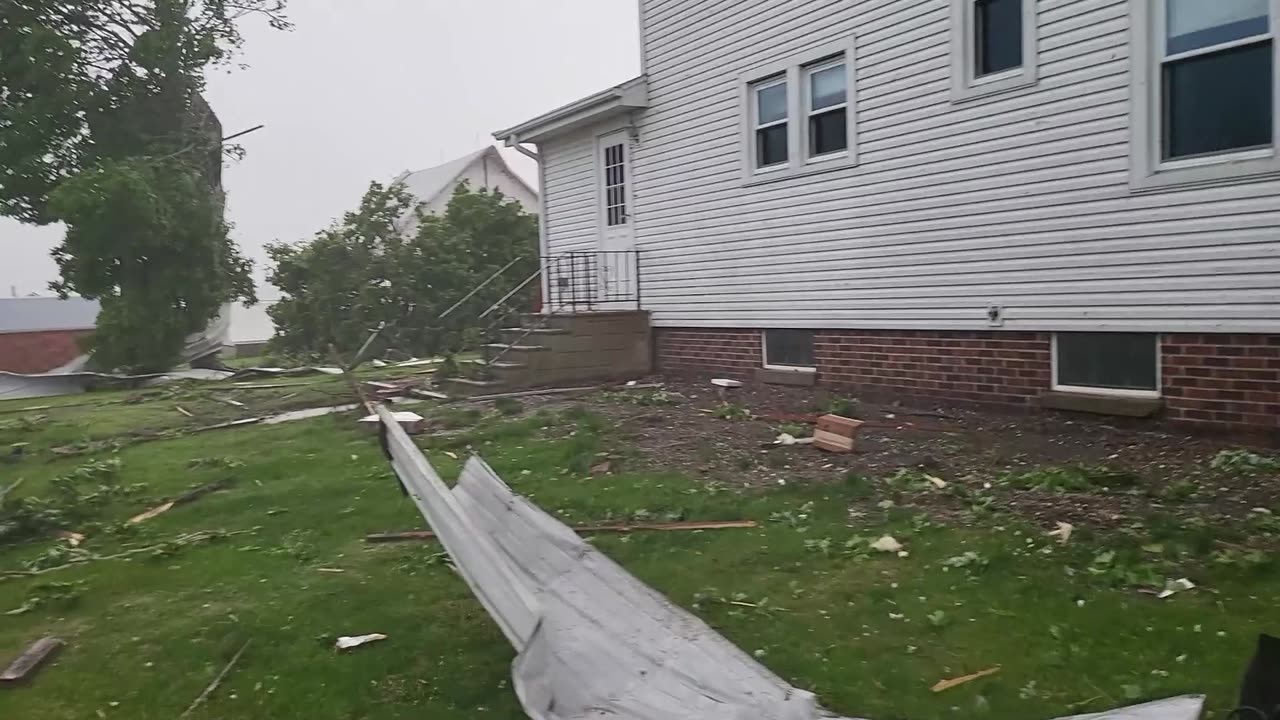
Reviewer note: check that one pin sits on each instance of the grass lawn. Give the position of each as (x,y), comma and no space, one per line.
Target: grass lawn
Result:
(868,631)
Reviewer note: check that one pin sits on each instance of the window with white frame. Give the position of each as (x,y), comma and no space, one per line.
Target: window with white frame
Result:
(827,106)
(799,114)
(1107,363)
(770,117)
(993,46)
(788,350)
(1204,96)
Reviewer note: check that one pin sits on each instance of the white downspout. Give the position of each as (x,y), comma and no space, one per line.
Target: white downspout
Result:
(543,243)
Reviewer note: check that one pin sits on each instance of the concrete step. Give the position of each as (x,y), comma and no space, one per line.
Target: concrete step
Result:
(516,334)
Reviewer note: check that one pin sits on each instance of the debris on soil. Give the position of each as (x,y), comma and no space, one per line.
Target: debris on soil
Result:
(217,680)
(73,538)
(1062,532)
(183,410)
(948,684)
(25,665)
(149,514)
(836,433)
(602,469)
(936,481)
(887,544)
(346,642)
(610,528)
(725,387)
(789,439)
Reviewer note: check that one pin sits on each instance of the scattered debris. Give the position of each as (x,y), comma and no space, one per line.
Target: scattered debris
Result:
(26,664)
(1063,532)
(789,439)
(4,494)
(426,394)
(451,454)
(887,544)
(602,469)
(937,482)
(73,538)
(551,391)
(149,514)
(346,642)
(836,433)
(182,499)
(217,680)
(180,409)
(610,528)
(725,388)
(410,421)
(229,401)
(1173,587)
(948,684)
(330,570)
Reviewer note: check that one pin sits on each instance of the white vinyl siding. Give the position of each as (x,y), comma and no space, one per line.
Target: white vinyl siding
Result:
(1021,200)
(571,198)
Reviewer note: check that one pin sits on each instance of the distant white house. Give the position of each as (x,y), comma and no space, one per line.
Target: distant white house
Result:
(484,168)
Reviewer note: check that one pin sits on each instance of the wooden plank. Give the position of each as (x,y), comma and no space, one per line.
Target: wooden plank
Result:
(26,664)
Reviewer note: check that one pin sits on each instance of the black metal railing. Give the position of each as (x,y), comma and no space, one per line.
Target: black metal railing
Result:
(592,280)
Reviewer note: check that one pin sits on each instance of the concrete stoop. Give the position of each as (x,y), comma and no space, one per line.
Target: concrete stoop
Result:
(565,349)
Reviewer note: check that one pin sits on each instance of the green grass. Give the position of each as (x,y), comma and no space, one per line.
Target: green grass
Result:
(868,631)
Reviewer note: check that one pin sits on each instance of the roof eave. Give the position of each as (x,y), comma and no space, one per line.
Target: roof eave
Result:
(617,100)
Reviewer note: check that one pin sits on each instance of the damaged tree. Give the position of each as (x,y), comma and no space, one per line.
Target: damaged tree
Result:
(103,128)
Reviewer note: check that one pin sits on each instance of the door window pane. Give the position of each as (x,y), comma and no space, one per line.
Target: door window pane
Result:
(1119,361)
(828,132)
(1218,102)
(772,104)
(997,35)
(771,145)
(1194,24)
(827,87)
(793,348)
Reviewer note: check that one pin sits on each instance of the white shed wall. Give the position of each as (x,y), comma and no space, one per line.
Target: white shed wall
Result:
(1021,200)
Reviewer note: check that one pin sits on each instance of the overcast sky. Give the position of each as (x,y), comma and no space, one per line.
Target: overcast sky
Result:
(361,91)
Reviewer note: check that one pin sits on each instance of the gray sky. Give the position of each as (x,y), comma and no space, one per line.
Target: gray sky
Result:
(361,91)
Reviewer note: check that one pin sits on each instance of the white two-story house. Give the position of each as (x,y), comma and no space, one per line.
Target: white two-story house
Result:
(1069,203)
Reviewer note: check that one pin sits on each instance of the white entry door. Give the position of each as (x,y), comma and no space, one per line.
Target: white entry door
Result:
(616,261)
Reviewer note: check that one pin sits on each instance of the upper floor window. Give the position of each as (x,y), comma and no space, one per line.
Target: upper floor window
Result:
(827,107)
(1204,103)
(993,46)
(770,122)
(799,114)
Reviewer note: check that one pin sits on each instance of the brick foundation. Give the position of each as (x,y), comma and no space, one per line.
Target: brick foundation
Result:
(1223,381)
(37,352)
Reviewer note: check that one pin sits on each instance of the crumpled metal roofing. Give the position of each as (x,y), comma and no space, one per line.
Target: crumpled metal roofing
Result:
(591,640)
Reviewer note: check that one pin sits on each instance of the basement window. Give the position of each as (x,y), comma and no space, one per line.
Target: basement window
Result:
(1125,364)
(789,350)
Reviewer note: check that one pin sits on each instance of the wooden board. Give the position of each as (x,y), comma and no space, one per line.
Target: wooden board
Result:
(836,433)
(24,667)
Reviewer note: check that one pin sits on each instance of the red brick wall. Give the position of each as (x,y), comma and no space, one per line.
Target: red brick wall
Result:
(999,368)
(1217,380)
(1222,379)
(37,352)
(728,353)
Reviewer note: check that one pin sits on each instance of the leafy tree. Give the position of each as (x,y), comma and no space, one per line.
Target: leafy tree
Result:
(102,127)
(363,272)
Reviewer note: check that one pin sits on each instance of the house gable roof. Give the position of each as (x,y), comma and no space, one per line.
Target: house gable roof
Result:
(427,185)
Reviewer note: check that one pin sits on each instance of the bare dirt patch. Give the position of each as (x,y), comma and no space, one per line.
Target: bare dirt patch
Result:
(1084,470)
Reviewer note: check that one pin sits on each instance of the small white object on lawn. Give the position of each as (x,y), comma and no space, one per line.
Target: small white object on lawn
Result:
(937,482)
(346,642)
(1175,586)
(887,544)
(1063,532)
(725,383)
